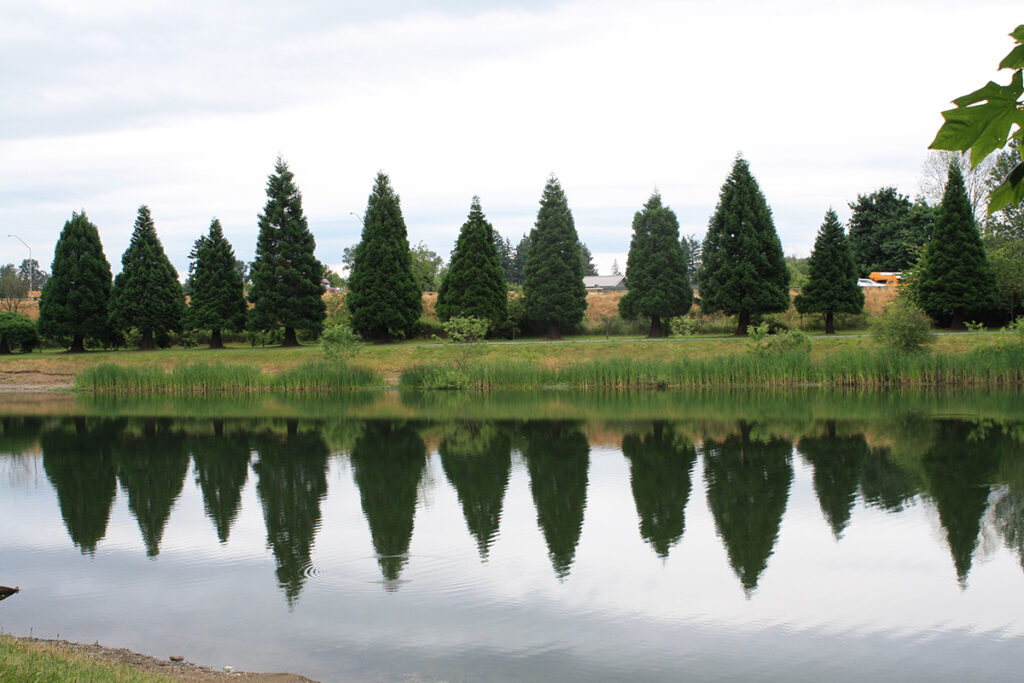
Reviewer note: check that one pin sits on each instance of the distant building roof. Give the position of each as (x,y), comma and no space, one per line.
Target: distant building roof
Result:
(604,281)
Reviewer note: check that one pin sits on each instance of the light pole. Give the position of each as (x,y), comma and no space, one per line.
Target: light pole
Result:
(31,264)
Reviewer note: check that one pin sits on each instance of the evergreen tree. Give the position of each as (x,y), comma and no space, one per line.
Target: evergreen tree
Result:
(146,293)
(74,301)
(832,286)
(587,260)
(656,268)
(384,297)
(742,271)
(475,284)
(218,302)
(876,230)
(954,278)
(286,276)
(555,296)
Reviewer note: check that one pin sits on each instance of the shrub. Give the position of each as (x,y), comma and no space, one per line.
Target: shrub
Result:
(762,340)
(17,330)
(466,330)
(340,343)
(683,326)
(429,328)
(904,327)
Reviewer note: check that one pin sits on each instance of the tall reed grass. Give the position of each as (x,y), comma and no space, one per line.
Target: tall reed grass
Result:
(221,378)
(854,368)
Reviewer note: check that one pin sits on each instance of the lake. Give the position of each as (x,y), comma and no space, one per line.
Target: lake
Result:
(664,536)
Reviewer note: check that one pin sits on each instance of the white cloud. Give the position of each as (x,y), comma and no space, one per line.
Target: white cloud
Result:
(184,108)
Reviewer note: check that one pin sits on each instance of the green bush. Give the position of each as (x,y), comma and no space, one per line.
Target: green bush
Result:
(17,330)
(428,328)
(683,326)
(763,340)
(904,327)
(340,343)
(466,330)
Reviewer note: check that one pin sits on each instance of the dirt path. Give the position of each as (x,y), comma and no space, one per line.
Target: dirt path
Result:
(34,380)
(176,671)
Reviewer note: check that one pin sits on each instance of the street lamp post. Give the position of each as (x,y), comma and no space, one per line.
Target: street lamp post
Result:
(31,265)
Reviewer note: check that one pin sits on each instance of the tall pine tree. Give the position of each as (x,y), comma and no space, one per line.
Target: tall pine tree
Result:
(146,293)
(384,298)
(656,268)
(286,275)
(742,272)
(553,288)
(475,283)
(832,287)
(954,278)
(74,301)
(218,300)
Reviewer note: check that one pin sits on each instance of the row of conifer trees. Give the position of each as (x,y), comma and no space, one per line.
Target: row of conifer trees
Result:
(742,271)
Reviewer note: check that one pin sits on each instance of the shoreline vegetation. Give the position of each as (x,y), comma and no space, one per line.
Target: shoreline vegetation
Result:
(955,360)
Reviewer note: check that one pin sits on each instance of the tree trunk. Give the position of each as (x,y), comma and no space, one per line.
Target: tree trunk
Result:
(830,323)
(77,344)
(656,331)
(215,340)
(958,321)
(289,337)
(146,343)
(742,321)
(553,332)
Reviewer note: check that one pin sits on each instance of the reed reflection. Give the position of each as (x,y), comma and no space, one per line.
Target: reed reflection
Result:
(388,460)
(291,472)
(558,458)
(747,489)
(660,465)
(477,458)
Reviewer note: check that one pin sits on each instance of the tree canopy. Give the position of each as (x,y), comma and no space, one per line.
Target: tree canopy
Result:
(832,284)
(475,284)
(218,301)
(73,304)
(742,270)
(954,278)
(286,275)
(146,293)
(384,297)
(887,231)
(656,268)
(553,288)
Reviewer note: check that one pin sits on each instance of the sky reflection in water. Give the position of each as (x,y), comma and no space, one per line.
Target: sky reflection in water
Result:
(526,549)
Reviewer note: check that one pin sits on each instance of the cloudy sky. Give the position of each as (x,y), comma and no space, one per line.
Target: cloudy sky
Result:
(184,106)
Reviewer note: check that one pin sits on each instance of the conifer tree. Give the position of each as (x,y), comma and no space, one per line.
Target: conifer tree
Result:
(74,300)
(954,278)
(475,283)
(286,275)
(832,287)
(384,298)
(656,268)
(742,272)
(553,288)
(218,300)
(146,293)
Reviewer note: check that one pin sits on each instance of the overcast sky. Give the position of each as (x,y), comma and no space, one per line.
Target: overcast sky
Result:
(185,105)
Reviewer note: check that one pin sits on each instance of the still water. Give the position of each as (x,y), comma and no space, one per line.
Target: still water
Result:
(798,536)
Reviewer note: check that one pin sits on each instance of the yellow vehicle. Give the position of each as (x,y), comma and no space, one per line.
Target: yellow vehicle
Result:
(885,278)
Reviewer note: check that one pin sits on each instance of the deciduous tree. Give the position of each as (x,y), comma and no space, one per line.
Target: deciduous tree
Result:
(555,296)
(286,290)
(73,304)
(656,268)
(146,293)
(743,272)
(384,298)
(475,284)
(832,284)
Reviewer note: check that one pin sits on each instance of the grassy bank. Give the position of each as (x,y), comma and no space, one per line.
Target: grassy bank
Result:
(955,359)
(29,662)
(206,378)
(853,367)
